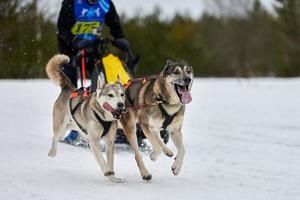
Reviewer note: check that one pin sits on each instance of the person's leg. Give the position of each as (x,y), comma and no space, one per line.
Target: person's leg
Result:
(94,78)
(70,72)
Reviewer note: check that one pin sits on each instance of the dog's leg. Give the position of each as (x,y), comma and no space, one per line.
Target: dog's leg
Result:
(59,129)
(156,142)
(130,132)
(177,139)
(156,149)
(95,148)
(53,151)
(168,152)
(109,140)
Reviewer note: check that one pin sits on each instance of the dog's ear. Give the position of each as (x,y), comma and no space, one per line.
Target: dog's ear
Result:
(100,82)
(169,63)
(119,79)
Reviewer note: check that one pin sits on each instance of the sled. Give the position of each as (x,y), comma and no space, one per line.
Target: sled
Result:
(113,68)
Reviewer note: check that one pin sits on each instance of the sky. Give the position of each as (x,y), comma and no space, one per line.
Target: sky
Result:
(131,7)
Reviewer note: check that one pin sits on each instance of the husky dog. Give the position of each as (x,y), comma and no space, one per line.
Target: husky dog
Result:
(158,103)
(94,117)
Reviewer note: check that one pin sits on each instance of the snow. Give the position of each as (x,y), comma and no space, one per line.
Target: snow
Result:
(242,141)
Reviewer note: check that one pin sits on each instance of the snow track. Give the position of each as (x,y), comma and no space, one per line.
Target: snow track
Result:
(242,141)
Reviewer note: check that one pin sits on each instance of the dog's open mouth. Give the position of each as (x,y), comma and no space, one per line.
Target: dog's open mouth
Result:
(116,113)
(183,93)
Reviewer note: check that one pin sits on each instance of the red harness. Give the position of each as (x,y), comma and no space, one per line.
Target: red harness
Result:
(76,93)
(86,92)
(130,82)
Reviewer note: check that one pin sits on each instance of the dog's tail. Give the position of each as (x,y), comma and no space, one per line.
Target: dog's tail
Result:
(53,70)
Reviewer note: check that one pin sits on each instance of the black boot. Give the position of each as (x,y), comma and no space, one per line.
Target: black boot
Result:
(120,137)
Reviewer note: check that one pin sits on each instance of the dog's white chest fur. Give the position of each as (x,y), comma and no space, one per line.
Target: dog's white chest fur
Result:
(172,109)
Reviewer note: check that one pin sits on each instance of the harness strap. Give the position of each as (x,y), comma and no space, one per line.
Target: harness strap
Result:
(77,93)
(128,84)
(168,118)
(105,124)
(83,67)
(83,72)
(73,112)
(131,101)
(77,106)
(74,94)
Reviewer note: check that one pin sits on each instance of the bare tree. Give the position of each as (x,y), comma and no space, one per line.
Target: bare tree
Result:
(233,8)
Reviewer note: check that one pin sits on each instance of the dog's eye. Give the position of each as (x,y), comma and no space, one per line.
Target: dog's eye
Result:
(122,95)
(110,95)
(188,70)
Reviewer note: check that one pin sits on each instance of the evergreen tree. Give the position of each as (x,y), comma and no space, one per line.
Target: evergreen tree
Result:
(251,44)
(289,27)
(25,36)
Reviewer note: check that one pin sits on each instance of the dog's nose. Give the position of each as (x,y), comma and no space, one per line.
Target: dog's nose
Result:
(187,80)
(120,105)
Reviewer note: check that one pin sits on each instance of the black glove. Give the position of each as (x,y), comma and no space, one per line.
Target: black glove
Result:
(122,44)
(132,63)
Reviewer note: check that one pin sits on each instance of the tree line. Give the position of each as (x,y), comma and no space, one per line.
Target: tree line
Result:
(246,41)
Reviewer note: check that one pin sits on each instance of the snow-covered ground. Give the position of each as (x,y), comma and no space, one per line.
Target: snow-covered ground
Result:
(242,141)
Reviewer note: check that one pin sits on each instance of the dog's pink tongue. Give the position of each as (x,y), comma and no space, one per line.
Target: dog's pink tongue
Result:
(186,97)
(108,107)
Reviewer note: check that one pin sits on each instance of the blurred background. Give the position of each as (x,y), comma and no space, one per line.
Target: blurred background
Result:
(220,38)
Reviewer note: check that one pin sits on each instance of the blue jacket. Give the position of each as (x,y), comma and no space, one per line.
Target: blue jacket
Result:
(69,16)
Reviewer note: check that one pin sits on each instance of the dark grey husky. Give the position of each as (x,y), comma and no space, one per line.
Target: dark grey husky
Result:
(156,103)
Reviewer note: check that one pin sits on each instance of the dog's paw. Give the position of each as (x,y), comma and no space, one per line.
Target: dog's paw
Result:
(109,173)
(52,153)
(114,179)
(176,167)
(168,152)
(154,155)
(119,180)
(147,177)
